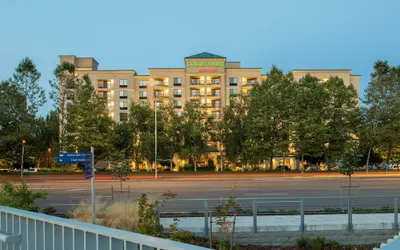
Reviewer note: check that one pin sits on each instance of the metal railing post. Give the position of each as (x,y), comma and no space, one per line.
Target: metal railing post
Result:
(396,214)
(350,215)
(255,216)
(302,226)
(206,217)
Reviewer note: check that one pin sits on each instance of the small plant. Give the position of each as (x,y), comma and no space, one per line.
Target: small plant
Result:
(302,241)
(349,247)
(318,243)
(333,245)
(50,211)
(147,216)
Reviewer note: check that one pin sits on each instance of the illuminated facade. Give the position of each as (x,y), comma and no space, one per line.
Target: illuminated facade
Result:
(206,78)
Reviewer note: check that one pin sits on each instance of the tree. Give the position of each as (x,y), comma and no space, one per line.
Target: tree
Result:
(349,160)
(233,129)
(310,131)
(269,120)
(13,114)
(368,133)
(341,118)
(193,132)
(120,171)
(26,78)
(382,98)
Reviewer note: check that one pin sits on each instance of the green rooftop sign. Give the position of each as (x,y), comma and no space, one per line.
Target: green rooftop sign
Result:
(205,64)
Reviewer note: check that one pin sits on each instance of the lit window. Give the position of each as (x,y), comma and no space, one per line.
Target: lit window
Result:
(177,103)
(233,92)
(123,105)
(123,83)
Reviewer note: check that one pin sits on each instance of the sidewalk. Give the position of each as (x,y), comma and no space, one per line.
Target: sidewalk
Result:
(291,223)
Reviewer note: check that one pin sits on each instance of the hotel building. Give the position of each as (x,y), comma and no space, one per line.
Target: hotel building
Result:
(206,78)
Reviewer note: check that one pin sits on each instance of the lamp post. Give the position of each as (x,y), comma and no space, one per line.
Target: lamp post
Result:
(22,159)
(48,156)
(155,137)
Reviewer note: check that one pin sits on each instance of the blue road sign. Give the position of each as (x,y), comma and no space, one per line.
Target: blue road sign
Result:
(88,172)
(81,157)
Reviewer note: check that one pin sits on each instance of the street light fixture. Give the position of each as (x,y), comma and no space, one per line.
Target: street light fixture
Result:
(22,159)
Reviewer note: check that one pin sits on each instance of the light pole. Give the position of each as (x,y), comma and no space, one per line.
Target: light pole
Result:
(48,156)
(22,159)
(155,137)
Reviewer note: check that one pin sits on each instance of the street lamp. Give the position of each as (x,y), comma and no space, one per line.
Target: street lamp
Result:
(22,159)
(48,156)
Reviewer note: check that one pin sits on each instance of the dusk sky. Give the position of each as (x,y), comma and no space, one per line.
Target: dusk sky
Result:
(292,34)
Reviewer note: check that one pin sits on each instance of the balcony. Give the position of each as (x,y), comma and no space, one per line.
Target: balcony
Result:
(195,94)
(161,84)
(159,95)
(103,85)
(250,83)
(195,82)
(215,94)
(214,82)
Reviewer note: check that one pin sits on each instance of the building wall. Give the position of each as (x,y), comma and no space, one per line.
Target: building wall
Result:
(193,69)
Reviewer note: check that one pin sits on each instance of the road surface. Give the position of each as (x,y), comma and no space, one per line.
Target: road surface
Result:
(66,191)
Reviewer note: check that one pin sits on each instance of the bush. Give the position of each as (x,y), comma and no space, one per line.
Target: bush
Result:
(333,245)
(50,211)
(318,243)
(302,241)
(188,168)
(349,247)
(20,196)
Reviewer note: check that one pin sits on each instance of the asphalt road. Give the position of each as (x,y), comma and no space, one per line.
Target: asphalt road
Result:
(273,193)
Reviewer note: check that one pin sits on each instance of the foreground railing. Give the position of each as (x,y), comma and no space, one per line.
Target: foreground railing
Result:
(25,230)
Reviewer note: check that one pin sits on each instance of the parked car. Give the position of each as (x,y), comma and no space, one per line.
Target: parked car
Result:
(286,168)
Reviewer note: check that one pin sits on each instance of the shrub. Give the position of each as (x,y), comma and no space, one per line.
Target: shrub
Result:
(318,243)
(302,241)
(333,245)
(20,196)
(188,168)
(148,221)
(120,215)
(349,247)
(50,211)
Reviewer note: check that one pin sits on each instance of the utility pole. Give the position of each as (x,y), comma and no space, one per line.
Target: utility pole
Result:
(22,159)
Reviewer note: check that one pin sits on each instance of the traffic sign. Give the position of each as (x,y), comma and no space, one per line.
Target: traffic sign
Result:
(81,157)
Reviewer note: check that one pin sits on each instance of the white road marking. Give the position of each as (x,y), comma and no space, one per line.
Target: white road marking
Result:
(264,194)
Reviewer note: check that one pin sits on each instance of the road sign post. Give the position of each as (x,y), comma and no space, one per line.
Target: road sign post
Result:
(88,159)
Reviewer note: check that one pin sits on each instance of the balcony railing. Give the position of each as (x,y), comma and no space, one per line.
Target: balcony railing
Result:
(214,105)
(213,94)
(161,84)
(20,229)
(104,85)
(214,82)
(195,94)
(159,95)
(195,82)
(250,83)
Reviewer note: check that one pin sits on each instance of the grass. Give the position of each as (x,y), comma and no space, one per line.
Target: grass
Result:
(120,215)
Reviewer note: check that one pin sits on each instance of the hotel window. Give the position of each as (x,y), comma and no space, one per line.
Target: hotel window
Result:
(177,104)
(233,92)
(159,105)
(159,94)
(195,92)
(142,95)
(143,103)
(123,117)
(123,94)
(142,83)
(123,83)
(196,103)
(123,106)
(177,93)
(177,81)
(233,81)
(195,81)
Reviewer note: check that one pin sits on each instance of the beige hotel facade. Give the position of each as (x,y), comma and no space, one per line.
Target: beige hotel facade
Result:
(206,78)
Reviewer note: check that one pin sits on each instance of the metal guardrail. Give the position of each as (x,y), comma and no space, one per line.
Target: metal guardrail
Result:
(25,230)
(301,201)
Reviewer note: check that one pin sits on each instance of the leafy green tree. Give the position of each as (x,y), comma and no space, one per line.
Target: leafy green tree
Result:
(368,133)
(233,129)
(19,196)
(269,120)
(26,78)
(341,117)
(120,171)
(350,160)
(193,132)
(382,98)
(309,132)
(13,114)
(88,123)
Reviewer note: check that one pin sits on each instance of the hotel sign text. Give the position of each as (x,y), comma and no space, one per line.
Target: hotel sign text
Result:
(205,64)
